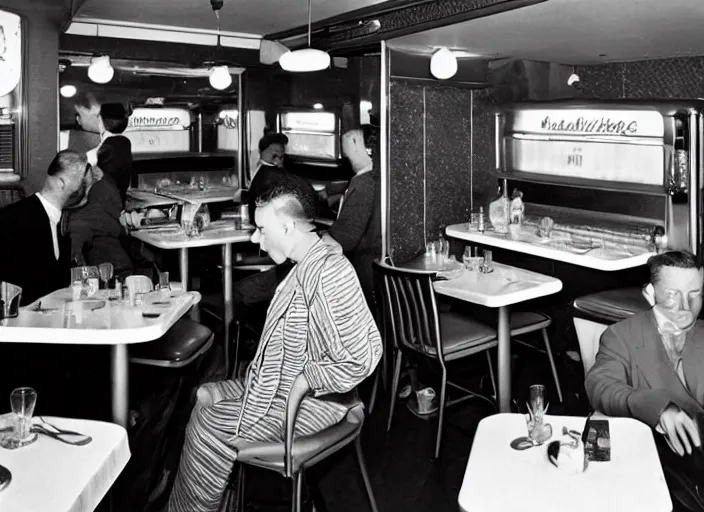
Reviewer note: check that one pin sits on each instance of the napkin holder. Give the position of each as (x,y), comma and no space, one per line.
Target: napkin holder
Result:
(10,298)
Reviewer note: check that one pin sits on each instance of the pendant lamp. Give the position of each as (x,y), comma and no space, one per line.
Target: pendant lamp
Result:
(220,77)
(443,64)
(100,71)
(306,59)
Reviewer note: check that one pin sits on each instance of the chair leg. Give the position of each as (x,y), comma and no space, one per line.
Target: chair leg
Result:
(297,492)
(548,349)
(375,389)
(441,411)
(237,351)
(365,474)
(394,387)
(491,374)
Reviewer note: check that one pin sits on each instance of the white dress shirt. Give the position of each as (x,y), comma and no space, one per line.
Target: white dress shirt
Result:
(54,215)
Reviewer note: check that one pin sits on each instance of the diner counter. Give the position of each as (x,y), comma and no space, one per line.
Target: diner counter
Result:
(607,259)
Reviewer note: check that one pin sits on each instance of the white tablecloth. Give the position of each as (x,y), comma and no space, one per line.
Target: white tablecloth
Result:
(51,476)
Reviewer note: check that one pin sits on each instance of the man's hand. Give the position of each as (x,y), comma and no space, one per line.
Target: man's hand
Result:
(208,394)
(680,430)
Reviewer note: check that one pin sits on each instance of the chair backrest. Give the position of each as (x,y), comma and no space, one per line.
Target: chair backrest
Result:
(409,308)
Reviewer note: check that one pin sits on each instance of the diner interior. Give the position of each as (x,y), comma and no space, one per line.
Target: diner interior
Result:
(532,156)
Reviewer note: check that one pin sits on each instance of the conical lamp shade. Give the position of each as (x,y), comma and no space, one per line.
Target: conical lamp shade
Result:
(305,60)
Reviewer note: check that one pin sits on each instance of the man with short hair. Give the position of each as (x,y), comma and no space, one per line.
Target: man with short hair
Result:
(358,225)
(319,336)
(35,255)
(651,367)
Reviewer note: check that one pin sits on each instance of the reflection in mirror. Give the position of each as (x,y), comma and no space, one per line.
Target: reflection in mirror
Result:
(11,100)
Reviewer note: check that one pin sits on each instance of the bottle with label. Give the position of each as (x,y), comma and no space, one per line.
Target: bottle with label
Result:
(480,222)
(499,211)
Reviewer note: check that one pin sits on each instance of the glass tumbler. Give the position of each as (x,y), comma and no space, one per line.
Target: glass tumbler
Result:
(22,402)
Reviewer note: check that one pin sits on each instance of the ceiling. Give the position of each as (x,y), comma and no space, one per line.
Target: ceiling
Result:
(258,17)
(576,32)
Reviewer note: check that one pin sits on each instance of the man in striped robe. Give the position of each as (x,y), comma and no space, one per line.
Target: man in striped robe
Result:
(319,336)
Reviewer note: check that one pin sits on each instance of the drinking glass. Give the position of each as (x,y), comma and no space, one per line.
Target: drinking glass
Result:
(538,430)
(164,287)
(106,272)
(467,256)
(22,401)
(488,265)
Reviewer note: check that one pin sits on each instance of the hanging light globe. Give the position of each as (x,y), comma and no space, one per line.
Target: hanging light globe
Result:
(68,91)
(220,77)
(443,64)
(100,71)
(305,60)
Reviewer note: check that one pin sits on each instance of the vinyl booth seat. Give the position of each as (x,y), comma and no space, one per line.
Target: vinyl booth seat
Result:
(185,342)
(611,306)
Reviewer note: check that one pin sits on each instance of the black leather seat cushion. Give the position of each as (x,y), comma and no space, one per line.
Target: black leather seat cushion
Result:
(461,335)
(522,322)
(180,343)
(611,306)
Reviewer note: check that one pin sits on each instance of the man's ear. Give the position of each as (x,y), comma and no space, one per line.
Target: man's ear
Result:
(649,293)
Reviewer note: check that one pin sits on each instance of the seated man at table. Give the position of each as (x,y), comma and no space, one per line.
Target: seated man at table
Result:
(651,367)
(35,256)
(319,336)
(358,225)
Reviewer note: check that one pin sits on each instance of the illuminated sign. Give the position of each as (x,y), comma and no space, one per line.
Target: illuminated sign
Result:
(309,121)
(228,119)
(623,123)
(159,119)
(10,52)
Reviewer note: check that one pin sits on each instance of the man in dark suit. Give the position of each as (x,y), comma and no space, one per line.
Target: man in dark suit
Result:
(36,257)
(651,367)
(358,225)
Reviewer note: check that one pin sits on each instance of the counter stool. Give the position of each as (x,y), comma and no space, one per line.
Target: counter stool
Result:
(304,452)
(184,343)
(593,313)
(525,322)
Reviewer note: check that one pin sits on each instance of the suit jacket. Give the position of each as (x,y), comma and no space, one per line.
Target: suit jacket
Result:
(95,229)
(358,227)
(115,159)
(632,375)
(27,254)
(318,324)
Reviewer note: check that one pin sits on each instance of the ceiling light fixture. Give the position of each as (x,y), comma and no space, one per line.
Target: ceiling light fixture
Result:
(573,79)
(68,91)
(220,77)
(318,106)
(443,64)
(100,71)
(308,59)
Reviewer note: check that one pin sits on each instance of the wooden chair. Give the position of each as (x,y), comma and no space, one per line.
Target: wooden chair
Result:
(412,321)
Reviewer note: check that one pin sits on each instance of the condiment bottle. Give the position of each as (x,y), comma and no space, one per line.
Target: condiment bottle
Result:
(481,219)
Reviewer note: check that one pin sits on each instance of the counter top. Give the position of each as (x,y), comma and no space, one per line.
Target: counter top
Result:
(607,259)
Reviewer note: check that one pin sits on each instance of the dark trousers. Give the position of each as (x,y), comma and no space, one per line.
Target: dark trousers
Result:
(684,476)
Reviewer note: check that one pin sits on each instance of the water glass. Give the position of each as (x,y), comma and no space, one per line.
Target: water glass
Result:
(106,271)
(22,402)
(164,287)
(538,430)
(488,264)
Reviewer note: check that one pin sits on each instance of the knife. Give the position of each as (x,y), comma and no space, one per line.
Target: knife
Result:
(585,431)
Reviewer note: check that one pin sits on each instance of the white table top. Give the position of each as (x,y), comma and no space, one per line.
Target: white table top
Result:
(117,323)
(599,259)
(138,198)
(49,475)
(212,195)
(217,233)
(504,286)
(499,478)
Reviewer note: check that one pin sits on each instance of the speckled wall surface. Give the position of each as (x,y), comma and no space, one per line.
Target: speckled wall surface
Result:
(430,179)
(406,185)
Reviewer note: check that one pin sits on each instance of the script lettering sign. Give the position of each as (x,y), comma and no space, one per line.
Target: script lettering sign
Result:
(589,122)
